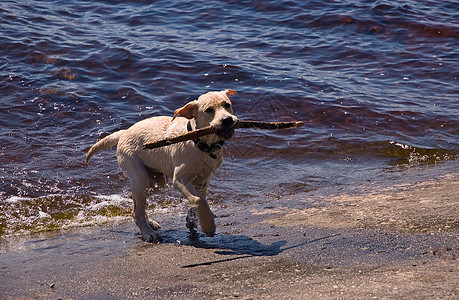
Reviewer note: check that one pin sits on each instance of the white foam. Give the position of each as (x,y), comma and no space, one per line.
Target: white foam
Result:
(43,215)
(14,199)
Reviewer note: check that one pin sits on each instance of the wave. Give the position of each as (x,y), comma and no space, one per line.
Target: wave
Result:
(26,215)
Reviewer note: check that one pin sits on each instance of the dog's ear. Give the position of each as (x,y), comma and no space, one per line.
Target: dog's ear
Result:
(230,92)
(189,111)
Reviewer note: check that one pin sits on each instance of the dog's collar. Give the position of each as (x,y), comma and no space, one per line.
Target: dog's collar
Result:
(203,146)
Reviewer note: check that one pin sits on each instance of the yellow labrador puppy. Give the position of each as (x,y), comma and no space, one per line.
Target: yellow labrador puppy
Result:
(190,164)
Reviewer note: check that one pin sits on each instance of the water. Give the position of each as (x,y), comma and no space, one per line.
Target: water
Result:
(375,82)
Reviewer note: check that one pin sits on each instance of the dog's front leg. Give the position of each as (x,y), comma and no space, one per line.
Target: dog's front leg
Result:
(198,201)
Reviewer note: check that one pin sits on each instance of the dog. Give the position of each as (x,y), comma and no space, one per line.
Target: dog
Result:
(190,164)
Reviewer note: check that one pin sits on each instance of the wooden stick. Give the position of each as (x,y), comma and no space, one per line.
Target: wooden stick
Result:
(268,125)
(209,130)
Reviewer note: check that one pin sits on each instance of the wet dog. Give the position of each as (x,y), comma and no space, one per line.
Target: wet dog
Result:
(190,164)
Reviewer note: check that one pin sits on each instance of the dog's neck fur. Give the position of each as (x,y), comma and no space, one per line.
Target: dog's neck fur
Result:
(208,144)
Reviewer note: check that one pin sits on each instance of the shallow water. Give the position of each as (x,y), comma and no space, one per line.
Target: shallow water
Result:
(375,82)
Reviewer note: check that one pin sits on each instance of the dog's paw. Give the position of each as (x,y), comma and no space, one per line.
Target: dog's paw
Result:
(210,232)
(206,219)
(152,237)
(208,227)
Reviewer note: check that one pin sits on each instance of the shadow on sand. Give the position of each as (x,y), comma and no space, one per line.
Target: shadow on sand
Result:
(241,245)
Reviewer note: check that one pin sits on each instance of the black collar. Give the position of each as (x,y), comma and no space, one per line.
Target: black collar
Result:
(203,146)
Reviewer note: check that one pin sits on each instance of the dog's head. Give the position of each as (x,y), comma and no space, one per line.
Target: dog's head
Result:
(214,109)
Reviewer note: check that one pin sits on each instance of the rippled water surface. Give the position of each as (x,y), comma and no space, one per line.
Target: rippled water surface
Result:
(376,83)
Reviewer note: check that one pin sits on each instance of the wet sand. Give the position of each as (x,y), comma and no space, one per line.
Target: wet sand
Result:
(393,243)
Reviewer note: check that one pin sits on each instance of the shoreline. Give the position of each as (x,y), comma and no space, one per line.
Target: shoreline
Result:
(399,242)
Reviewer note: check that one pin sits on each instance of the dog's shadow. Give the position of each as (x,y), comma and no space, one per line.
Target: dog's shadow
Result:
(224,244)
(239,246)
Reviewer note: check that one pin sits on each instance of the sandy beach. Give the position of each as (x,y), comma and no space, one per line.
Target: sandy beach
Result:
(395,243)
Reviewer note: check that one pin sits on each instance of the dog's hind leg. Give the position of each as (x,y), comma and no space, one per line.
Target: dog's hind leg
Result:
(140,182)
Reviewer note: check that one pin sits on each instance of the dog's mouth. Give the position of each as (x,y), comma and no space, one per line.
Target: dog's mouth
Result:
(226,127)
(226,134)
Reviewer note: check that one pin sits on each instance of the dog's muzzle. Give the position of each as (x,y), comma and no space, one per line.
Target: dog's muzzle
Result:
(227,128)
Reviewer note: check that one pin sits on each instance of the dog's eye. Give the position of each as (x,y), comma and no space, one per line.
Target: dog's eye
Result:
(227,105)
(209,110)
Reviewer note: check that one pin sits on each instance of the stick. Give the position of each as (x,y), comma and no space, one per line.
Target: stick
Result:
(209,130)
(268,125)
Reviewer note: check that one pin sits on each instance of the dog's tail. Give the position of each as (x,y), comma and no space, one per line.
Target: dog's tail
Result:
(105,143)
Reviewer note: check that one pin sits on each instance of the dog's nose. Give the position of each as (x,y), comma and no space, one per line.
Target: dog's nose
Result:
(227,121)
